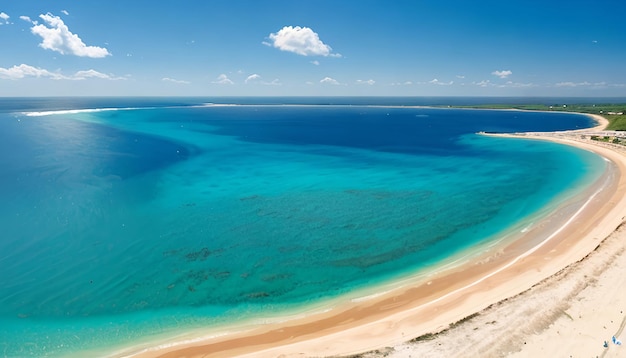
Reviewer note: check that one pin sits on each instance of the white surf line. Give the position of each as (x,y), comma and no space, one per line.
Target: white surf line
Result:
(107,109)
(168,345)
(516,260)
(129,352)
(375,295)
(75,111)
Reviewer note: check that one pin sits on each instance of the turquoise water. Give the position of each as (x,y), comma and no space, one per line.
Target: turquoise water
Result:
(121,225)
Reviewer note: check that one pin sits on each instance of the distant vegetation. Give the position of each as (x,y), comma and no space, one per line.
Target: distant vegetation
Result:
(614,113)
(606,139)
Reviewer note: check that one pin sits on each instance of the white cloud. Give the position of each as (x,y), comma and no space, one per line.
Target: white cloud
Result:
(517,84)
(256,79)
(27,19)
(460,77)
(300,40)
(252,77)
(328,80)
(508,84)
(89,73)
(4,18)
(315,62)
(59,38)
(406,83)
(65,12)
(437,82)
(585,84)
(23,70)
(167,79)
(502,74)
(223,80)
(572,84)
(365,82)
(81,75)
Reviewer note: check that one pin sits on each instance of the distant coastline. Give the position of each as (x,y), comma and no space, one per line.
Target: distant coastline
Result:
(615,113)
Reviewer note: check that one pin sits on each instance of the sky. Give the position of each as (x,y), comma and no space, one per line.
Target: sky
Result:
(313,48)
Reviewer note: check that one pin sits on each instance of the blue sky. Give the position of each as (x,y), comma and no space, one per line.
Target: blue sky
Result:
(325,48)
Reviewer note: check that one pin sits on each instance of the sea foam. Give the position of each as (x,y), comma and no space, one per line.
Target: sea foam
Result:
(76,111)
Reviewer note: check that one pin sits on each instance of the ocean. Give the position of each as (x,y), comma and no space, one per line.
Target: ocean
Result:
(129,220)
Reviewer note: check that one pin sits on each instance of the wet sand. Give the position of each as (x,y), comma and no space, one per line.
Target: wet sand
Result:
(501,277)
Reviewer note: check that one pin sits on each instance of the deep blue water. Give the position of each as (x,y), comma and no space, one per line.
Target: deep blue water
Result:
(164,215)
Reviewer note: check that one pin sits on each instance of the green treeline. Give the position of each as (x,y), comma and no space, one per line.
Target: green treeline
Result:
(614,113)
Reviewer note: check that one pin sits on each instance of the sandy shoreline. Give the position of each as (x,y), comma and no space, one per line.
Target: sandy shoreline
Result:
(391,319)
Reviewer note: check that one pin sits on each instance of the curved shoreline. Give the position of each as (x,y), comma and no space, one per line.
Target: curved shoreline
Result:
(400,315)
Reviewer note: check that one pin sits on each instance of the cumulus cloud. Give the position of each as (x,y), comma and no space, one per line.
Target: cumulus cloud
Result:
(4,18)
(167,79)
(315,62)
(365,82)
(300,40)
(483,83)
(27,19)
(82,75)
(59,38)
(223,80)
(329,80)
(435,81)
(502,74)
(23,70)
(256,79)
(65,12)
(253,77)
